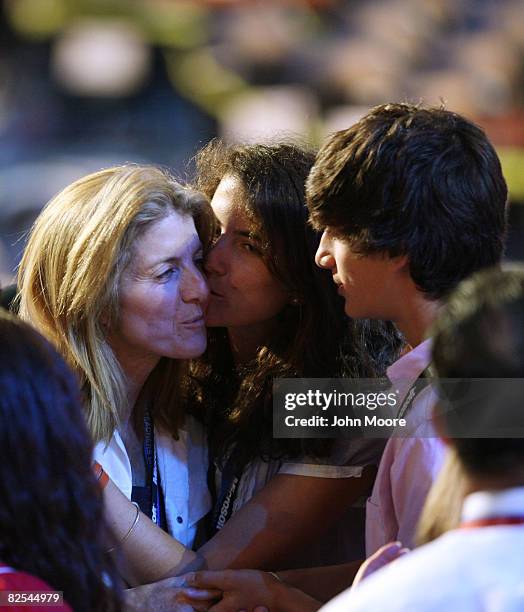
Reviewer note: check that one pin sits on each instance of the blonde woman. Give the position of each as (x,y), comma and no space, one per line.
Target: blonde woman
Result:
(112,276)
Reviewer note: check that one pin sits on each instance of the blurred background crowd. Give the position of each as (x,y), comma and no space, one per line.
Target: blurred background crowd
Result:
(90,83)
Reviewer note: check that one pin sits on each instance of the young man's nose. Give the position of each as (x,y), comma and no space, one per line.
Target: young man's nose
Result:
(323,256)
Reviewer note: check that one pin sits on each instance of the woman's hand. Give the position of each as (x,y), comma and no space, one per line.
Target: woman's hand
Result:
(384,555)
(244,590)
(241,589)
(167,595)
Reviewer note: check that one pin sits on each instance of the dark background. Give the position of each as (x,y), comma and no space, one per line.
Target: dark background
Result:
(89,83)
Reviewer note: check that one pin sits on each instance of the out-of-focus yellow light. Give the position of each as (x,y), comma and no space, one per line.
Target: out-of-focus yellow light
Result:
(198,76)
(37,18)
(512,162)
(174,24)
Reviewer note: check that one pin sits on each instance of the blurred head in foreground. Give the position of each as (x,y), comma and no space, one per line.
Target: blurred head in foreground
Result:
(51,515)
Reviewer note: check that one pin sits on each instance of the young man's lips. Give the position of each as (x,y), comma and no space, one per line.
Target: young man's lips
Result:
(339,285)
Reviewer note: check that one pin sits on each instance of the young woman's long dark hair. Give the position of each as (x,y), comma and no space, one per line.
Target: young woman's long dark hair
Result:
(51,515)
(315,338)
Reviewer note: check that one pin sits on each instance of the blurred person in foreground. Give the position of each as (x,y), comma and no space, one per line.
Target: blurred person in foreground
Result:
(479,565)
(52,530)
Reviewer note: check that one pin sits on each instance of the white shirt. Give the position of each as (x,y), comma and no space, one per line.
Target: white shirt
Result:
(465,570)
(182,465)
(409,465)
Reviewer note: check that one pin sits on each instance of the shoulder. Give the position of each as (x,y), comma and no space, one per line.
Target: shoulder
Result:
(406,584)
(12,579)
(113,457)
(461,570)
(347,459)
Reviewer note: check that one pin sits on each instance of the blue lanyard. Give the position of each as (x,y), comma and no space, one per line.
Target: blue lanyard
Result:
(157,513)
(228,492)
(420,383)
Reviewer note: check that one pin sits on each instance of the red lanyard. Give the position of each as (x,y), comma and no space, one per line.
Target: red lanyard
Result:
(490,522)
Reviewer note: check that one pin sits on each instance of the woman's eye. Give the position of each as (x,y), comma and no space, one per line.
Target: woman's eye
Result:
(167,274)
(250,248)
(199,261)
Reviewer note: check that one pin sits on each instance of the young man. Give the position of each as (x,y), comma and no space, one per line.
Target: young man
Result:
(411,201)
(480,565)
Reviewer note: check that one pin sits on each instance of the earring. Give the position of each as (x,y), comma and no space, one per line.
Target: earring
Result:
(296,301)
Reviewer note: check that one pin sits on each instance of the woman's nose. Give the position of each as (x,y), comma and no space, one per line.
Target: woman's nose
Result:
(195,288)
(216,259)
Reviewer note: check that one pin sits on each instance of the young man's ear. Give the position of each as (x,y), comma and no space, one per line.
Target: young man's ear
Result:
(401,262)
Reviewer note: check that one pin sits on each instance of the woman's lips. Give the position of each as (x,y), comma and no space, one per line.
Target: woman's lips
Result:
(197,321)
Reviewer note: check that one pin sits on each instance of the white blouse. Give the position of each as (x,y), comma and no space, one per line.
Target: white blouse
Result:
(182,465)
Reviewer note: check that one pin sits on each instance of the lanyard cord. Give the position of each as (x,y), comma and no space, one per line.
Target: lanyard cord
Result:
(492,521)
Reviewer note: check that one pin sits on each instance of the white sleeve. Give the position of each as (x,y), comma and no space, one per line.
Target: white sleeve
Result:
(113,458)
(347,459)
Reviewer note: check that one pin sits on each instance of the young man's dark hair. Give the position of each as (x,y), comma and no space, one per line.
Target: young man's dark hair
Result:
(420,182)
(481,335)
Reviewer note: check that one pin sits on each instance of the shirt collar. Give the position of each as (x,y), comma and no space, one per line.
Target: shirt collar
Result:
(411,365)
(489,504)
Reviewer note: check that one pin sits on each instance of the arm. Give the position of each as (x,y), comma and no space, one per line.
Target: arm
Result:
(287,512)
(416,466)
(147,553)
(249,590)
(322,583)
(254,589)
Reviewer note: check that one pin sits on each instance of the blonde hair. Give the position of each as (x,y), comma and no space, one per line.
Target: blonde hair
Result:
(443,505)
(70,272)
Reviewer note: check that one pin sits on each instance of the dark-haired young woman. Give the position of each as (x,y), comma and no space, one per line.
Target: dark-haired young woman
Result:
(275,314)
(279,503)
(52,530)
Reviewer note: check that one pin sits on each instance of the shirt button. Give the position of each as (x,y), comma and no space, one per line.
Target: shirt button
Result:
(179,519)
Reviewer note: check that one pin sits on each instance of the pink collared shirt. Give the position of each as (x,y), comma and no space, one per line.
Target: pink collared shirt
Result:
(409,465)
